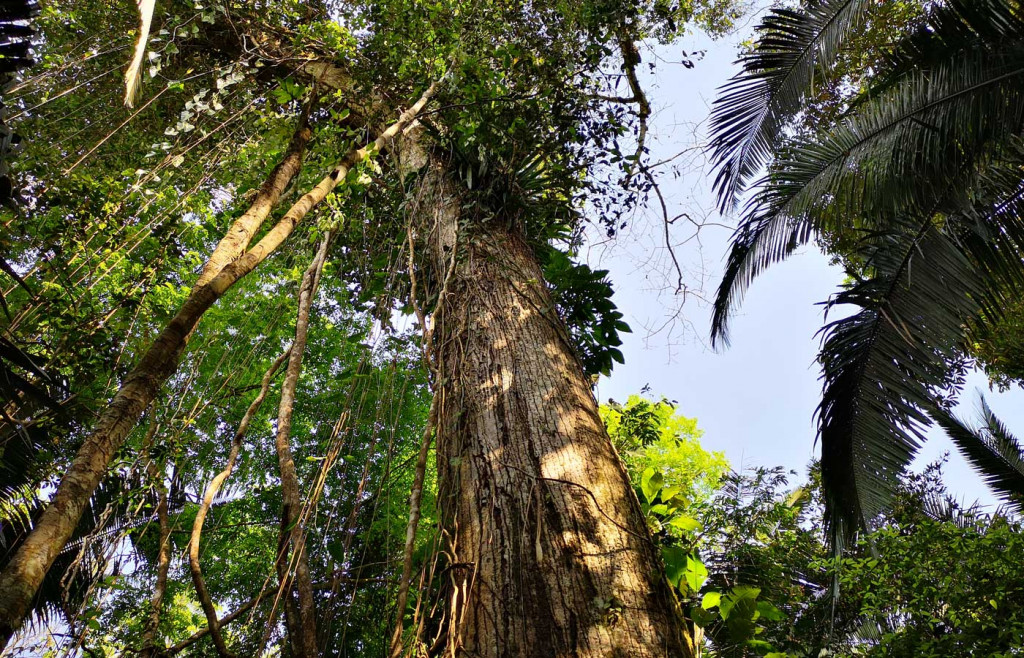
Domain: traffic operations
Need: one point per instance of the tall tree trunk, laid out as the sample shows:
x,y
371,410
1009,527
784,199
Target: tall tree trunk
x,y
301,618
163,565
550,553
211,492
22,576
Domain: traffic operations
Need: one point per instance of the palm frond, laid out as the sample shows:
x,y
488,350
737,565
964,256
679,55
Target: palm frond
x,y
758,243
952,27
757,103
946,509
995,453
133,76
883,366
21,376
930,128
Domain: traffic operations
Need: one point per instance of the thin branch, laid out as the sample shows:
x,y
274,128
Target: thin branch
x,y
410,530
211,492
302,626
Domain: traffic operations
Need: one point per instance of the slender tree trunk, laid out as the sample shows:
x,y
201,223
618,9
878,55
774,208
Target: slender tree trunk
x,y
163,564
22,576
301,618
20,579
550,553
415,498
211,492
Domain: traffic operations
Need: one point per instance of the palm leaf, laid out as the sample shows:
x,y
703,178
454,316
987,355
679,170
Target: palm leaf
x,y
21,376
756,104
133,76
995,453
930,128
883,366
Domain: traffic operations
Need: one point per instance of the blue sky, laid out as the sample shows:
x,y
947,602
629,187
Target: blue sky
x,y
755,400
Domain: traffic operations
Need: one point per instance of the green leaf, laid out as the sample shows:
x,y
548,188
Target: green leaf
x,y
669,492
701,617
650,483
711,600
685,523
675,559
766,610
696,573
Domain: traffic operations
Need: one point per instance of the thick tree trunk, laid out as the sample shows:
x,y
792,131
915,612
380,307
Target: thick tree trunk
x,y
550,551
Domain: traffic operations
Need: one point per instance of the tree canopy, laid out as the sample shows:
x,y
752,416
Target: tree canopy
x,y
299,333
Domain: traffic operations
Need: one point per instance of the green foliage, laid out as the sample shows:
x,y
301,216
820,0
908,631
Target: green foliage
x,y
752,568
941,588
125,205
910,171
584,300
655,441
998,346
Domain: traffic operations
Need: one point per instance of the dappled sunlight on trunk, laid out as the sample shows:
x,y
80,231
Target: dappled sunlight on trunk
x,y
549,551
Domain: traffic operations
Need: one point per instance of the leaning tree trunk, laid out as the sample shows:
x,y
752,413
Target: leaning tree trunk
x,y
550,553
230,261
22,576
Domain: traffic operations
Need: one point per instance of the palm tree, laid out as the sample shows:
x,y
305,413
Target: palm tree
x,y
920,173
992,450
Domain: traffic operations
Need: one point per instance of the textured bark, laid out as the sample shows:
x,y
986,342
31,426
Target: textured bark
x,y
301,618
23,574
238,237
550,551
211,492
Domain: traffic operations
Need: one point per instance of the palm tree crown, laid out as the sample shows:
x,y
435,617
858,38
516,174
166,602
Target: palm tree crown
x,y
919,177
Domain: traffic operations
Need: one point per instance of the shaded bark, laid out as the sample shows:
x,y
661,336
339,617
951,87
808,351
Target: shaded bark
x,y
211,492
21,578
549,550
301,618
163,562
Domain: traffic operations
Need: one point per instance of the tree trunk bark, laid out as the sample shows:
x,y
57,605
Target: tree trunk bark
x,y
301,618
550,553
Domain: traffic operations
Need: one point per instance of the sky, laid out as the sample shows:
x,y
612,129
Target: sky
x,y
755,400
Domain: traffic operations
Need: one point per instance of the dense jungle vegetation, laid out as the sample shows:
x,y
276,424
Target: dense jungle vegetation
x,y
299,337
